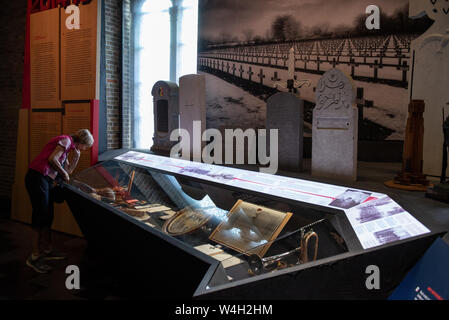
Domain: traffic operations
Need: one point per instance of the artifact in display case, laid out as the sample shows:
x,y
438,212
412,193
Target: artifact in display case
x,y
300,255
238,238
213,231
185,221
250,228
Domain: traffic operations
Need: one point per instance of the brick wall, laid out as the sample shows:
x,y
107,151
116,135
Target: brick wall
x,y
12,46
127,76
113,41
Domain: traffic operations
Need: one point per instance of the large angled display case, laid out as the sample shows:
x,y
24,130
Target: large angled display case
x,y
170,228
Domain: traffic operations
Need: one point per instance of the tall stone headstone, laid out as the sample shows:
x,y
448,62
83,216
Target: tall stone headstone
x,y
166,115
335,128
192,111
285,112
429,79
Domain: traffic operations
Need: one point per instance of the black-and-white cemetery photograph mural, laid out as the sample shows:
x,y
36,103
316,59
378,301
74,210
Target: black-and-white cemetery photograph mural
x,y
250,49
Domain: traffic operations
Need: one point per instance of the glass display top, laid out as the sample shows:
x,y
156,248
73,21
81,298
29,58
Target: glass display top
x,y
250,232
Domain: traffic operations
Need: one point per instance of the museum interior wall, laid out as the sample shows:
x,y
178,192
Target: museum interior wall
x,y
265,69
252,56
14,13
239,86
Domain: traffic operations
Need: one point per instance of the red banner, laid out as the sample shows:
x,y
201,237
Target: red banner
x,y
40,5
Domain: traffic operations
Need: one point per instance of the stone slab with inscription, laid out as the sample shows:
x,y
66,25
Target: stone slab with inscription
x,y
334,129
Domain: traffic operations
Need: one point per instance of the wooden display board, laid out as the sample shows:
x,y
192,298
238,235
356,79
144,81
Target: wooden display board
x,y
44,125
44,59
78,116
79,55
64,92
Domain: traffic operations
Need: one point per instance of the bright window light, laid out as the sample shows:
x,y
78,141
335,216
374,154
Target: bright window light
x,y
152,57
152,63
187,39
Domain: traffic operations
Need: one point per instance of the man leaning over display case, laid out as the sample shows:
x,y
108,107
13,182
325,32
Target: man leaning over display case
x,y
45,171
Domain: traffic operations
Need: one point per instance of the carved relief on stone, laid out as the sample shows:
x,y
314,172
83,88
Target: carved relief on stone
x,y
437,10
335,91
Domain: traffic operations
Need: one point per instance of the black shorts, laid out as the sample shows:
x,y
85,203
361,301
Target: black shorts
x,y
40,190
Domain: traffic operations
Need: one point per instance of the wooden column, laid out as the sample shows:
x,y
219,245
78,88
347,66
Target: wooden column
x,y
411,176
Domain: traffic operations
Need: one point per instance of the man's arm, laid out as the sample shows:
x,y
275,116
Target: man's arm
x,y
54,162
72,165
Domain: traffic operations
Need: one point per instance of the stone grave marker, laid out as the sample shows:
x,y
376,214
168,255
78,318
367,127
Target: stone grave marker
x,y
166,115
192,107
335,128
429,77
285,112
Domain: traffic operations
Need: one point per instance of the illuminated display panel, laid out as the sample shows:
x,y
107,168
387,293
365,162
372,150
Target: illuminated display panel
x,y
375,218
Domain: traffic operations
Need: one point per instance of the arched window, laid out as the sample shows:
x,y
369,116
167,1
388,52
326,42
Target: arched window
x,y
165,48
187,46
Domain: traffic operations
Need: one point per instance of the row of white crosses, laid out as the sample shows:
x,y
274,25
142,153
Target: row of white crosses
x,y
291,83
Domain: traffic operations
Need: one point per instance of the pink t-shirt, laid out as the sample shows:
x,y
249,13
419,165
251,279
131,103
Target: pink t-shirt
x,y
41,164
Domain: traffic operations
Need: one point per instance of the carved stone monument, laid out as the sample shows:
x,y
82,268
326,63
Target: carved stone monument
x,y
335,128
166,115
285,112
430,77
192,107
